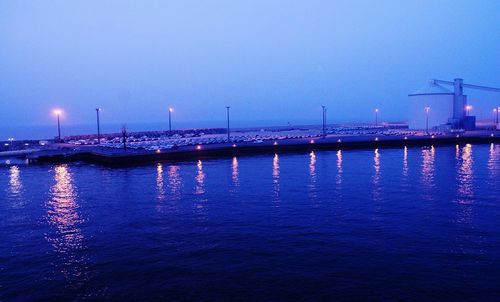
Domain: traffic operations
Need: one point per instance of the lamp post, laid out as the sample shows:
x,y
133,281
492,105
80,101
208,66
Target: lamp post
x,y
427,109
228,133
58,112
468,108
324,121
170,110
97,110
124,137
376,117
11,140
496,110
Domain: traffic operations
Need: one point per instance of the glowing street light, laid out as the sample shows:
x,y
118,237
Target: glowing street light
x,y
10,139
170,110
496,110
97,110
58,113
427,109
468,108
376,116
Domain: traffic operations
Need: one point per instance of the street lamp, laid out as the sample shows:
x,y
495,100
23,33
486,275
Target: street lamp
x,y
468,108
10,139
58,113
124,137
170,110
97,110
427,109
228,134
496,110
376,116
324,121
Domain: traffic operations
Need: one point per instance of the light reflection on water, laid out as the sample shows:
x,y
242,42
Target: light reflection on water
x,y
312,175
377,191
379,215
174,182
376,166
405,162
159,182
338,179
200,179
312,164
465,197
276,178
493,161
428,170
465,186
15,187
234,172
465,175
62,214
15,184
199,191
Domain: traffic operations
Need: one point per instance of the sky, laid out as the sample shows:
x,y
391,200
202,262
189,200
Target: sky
x,y
271,61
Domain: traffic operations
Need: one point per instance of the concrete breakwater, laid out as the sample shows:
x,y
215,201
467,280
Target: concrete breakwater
x,y
130,157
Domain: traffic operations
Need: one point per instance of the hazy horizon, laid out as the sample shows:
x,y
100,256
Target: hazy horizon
x,y
269,60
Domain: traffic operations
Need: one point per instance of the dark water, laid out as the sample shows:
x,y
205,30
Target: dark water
x,y
388,224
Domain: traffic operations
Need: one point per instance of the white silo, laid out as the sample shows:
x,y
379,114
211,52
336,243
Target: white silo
x,y
440,103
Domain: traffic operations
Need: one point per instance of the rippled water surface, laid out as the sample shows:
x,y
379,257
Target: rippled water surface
x,y
387,224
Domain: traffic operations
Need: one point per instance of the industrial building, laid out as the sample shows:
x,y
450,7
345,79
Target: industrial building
x,y
436,107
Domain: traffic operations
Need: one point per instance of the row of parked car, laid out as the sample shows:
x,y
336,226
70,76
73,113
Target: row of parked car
x,y
169,142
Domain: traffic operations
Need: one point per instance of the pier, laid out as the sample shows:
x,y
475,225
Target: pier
x,y
107,156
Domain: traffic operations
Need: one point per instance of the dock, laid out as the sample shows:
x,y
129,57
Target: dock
x,y
108,156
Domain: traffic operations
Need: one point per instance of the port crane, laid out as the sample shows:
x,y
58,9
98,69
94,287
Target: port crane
x,y
460,100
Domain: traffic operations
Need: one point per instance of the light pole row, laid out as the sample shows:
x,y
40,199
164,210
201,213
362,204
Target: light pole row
x,y
58,113
427,109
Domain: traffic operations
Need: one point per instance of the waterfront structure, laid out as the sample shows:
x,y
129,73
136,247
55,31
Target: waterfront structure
x,y
304,144
435,96
444,100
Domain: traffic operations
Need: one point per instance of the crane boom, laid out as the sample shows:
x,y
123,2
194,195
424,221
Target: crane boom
x,y
493,89
460,118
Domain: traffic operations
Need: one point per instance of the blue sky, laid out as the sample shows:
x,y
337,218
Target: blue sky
x,y
270,60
